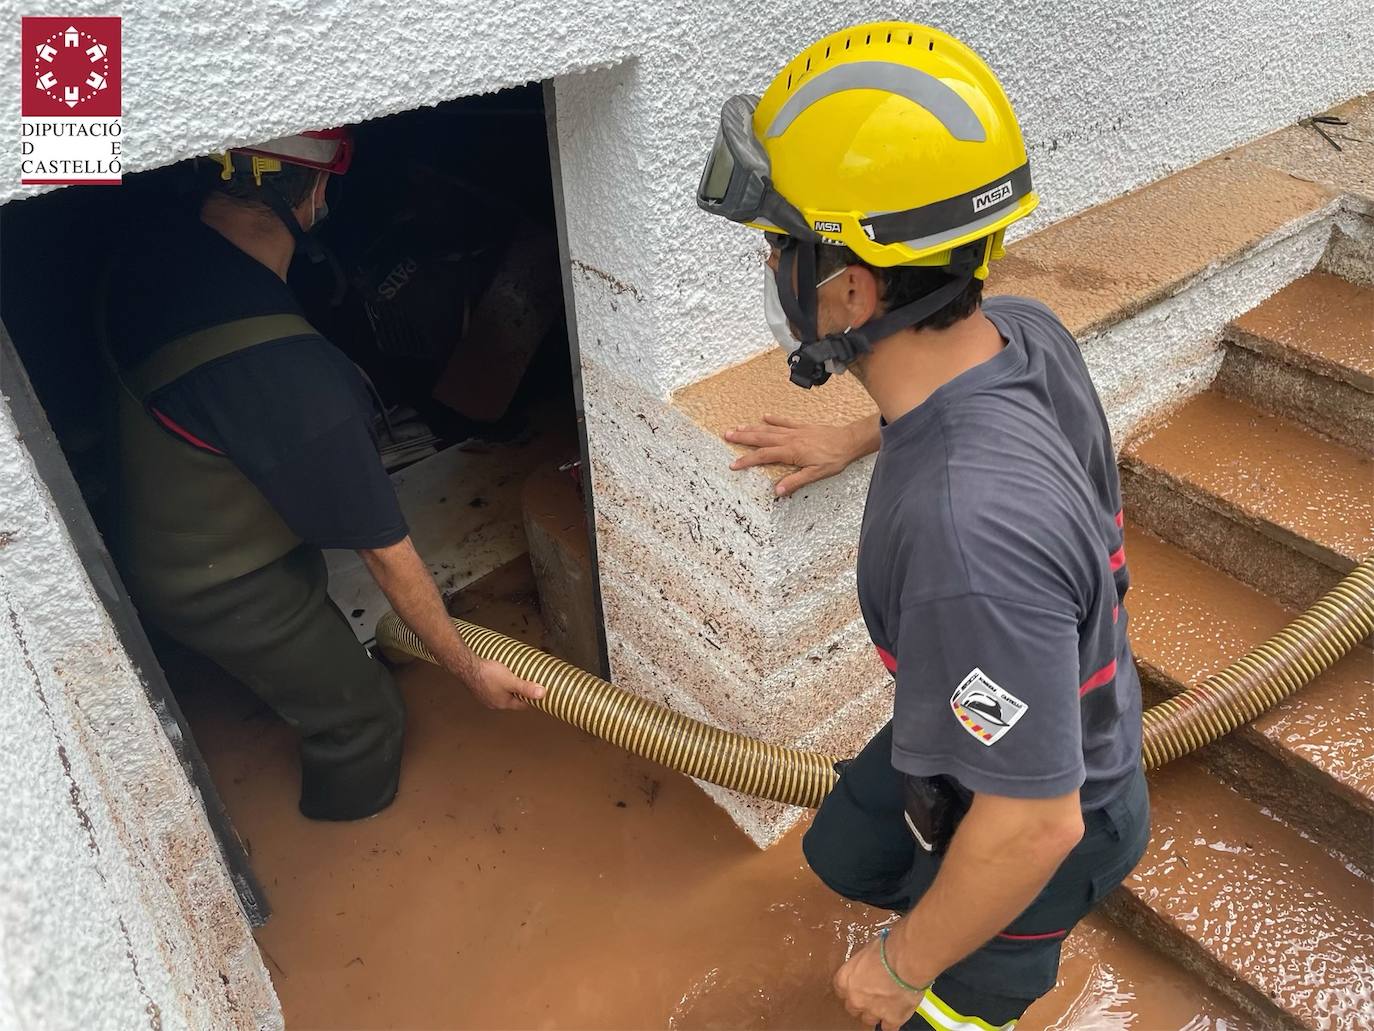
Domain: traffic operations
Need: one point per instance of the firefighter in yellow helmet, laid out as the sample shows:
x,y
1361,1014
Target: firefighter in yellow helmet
x,y
1005,797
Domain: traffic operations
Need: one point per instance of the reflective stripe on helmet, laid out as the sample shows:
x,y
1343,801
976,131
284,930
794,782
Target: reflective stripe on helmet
x,y
301,148
919,87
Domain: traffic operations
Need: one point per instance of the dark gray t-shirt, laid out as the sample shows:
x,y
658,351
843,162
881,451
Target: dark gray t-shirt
x,y
992,571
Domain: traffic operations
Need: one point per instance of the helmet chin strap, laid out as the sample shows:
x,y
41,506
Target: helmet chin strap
x,y
797,264
810,363
305,241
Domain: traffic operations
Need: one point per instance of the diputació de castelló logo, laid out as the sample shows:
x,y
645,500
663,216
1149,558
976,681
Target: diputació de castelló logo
x,y
70,104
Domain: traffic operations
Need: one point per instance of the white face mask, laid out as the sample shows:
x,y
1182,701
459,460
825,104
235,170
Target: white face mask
x,y
773,312
318,212
777,318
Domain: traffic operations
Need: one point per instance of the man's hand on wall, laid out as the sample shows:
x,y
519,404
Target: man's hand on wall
x,y
816,451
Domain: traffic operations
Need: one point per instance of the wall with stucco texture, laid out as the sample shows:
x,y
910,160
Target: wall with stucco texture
x,y
116,910
1111,95
112,886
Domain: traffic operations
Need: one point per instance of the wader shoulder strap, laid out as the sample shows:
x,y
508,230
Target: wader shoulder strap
x,y
176,358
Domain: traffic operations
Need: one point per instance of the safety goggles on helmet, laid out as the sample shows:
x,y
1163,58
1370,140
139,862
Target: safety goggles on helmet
x,y
891,139
736,182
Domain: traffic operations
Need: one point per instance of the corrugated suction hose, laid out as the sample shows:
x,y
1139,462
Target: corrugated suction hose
x,y
1223,701
1266,675
637,724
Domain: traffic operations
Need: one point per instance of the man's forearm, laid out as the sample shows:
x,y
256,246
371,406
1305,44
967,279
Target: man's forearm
x,y
1004,852
407,584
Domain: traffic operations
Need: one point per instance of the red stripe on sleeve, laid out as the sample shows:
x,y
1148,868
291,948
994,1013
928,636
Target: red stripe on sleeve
x,y
185,434
888,659
1102,676
1118,558
1120,518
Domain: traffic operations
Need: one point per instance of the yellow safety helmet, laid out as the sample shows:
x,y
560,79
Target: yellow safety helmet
x,y
892,139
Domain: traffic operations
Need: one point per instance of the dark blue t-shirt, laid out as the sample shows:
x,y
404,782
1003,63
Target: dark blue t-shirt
x,y
294,414
992,572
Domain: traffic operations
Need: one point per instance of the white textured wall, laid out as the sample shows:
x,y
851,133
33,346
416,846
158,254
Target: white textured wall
x,y
1111,95
110,886
115,910
200,74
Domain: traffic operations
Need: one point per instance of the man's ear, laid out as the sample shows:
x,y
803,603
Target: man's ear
x,y
863,294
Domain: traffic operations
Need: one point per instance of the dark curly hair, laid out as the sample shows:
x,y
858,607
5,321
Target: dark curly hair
x,y
902,284
293,181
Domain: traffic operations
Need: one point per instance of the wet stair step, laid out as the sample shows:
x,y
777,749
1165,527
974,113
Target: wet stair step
x,y
1263,914
1321,322
1308,352
1269,501
1309,759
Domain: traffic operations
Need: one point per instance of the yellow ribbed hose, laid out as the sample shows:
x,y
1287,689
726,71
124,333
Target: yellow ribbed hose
x,y
1266,675
1252,685
638,725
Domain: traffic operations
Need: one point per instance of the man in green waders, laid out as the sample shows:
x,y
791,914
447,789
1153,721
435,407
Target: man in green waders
x,y
245,446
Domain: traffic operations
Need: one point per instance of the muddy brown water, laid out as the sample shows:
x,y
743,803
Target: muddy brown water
x,y
528,876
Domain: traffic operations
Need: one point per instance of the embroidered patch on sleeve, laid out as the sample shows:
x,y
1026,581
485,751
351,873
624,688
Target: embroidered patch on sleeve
x,y
984,709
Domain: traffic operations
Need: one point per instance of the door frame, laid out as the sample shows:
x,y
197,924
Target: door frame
x,y
37,435
51,464
575,356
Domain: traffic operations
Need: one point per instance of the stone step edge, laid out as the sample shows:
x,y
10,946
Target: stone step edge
x,y
1249,761
1260,741
1165,684
1215,951
1287,354
1235,549
1325,405
1229,510
1135,916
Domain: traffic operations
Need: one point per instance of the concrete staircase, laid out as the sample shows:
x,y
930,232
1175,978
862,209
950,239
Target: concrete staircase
x,y
1249,491
1247,502
725,603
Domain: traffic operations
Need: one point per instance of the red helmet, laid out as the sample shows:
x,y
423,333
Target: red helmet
x,y
329,150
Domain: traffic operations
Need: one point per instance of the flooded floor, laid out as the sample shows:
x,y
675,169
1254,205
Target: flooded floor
x,y
528,876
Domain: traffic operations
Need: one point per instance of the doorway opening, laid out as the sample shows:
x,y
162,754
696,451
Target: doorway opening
x,y
445,283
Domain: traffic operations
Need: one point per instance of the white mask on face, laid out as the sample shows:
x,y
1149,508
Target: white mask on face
x,y
318,212
773,312
776,316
